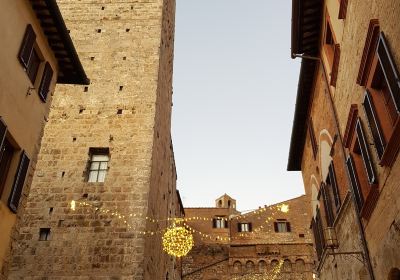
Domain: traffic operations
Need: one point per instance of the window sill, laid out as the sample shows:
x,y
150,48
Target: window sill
x,y
392,147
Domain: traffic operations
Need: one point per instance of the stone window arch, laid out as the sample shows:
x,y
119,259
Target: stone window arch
x,y
274,263
300,265
249,266
237,267
262,266
287,266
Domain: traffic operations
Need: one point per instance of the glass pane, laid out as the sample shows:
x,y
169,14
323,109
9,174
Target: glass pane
x,y
99,157
103,165
92,176
94,165
102,176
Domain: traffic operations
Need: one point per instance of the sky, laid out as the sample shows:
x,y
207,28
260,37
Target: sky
x,y
235,88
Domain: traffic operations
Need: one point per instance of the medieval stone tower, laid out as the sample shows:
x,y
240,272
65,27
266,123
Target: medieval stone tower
x,y
107,144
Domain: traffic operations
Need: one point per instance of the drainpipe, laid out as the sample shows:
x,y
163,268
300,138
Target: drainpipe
x,y
359,223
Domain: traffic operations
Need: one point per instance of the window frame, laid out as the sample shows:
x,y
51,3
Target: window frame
x,y
281,222
98,152
220,222
244,227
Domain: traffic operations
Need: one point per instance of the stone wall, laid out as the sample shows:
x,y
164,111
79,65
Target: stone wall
x,y
126,49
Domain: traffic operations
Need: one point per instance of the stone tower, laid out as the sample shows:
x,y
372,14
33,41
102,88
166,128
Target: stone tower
x,y
109,145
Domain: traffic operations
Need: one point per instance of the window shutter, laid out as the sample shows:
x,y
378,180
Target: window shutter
x,y
250,227
276,226
335,189
27,46
239,228
365,153
214,223
374,124
389,70
335,65
288,227
327,205
225,222
18,182
3,132
312,137
320,232
343,9
45,82
355,186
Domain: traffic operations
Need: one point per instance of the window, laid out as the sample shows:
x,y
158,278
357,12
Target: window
x,y
360,167
44,86
99,158
312,137
327,204
329,194
244,227
332,52
318,232
19,181
281,225
379,75
220,222
6,154
44,234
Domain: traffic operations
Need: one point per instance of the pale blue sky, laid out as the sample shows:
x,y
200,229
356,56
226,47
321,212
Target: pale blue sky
x,y
234,95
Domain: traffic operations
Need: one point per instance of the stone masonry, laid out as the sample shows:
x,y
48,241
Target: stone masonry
x,y
126,48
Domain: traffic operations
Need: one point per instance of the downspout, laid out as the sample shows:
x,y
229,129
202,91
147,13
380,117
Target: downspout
x,y
359,223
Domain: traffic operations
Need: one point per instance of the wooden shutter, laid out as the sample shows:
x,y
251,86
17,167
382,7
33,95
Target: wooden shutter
x,y
327,205
225,222
3,132
343,9
45,82
18,182
312,137
374,125
335,188
317,242
276,226
239,228
27,46
288,227
355,185
250,227
389,70
214,223
365,153
335,65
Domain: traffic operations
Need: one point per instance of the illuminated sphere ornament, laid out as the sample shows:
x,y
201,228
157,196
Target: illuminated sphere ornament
x,y
177,241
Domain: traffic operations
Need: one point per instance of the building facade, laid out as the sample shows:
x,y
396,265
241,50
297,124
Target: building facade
x,y
266,243
36,53
107,146
345,133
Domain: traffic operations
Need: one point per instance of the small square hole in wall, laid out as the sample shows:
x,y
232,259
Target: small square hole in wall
x,y
102,8
124,58
98,30
131,7
44,234
51,210
62,174
85,195
81,110
128,29
119,111
73,139
301,235
92,58
121,88
85,89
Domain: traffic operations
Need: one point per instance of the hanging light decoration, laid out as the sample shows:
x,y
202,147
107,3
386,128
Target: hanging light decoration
x,y
177,241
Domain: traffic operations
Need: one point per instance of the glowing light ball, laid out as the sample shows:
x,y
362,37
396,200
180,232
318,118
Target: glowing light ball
x,y
177,241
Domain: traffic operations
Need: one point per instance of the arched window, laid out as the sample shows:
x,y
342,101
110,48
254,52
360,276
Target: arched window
x,y
262,266
287,266
394,274
237,267
274,264
249,266
229,203
300,265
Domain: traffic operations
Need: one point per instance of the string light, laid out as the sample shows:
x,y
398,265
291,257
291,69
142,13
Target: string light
x,y
177,241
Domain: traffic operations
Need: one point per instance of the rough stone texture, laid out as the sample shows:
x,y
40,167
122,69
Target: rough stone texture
x,y
382,228
212,258
127,51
